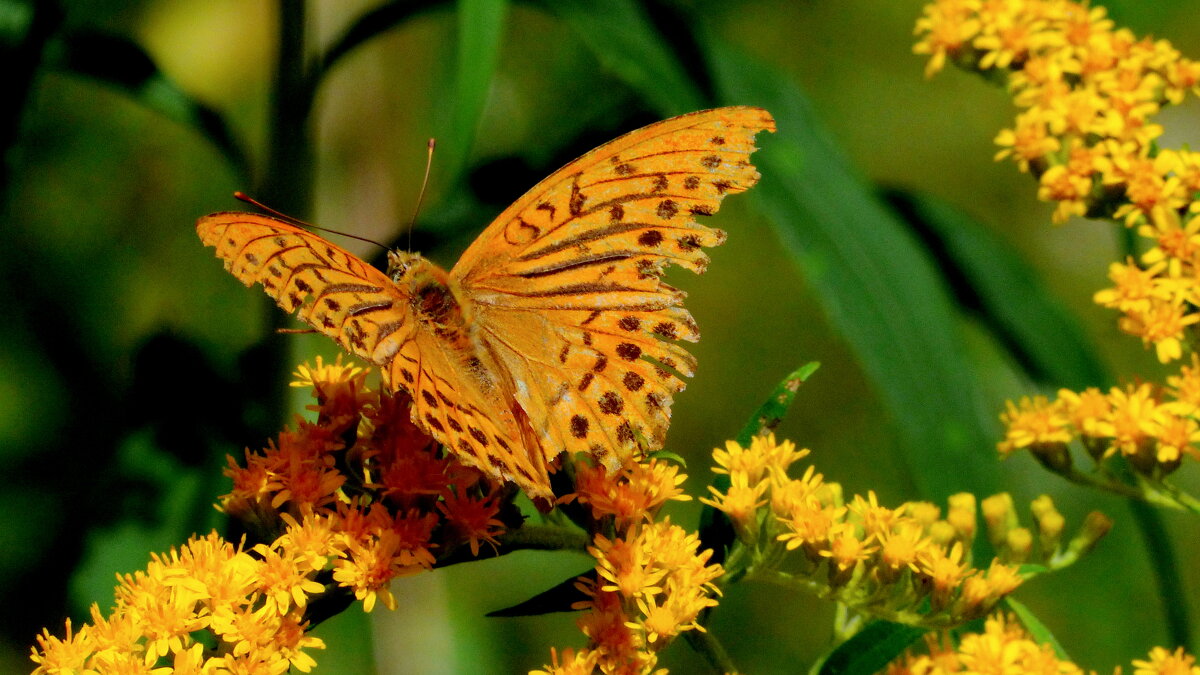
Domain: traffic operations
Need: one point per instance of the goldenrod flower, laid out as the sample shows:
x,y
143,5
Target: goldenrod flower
x,y
1034,422
1030,142
1002,647
947,27
1165,662
1185,389
740,502
635,493
582,662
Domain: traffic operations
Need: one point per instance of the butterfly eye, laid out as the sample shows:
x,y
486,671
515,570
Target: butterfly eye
x,y
398,268
398,265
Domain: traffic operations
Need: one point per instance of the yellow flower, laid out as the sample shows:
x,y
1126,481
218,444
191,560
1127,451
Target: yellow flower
x,y
283,578
846,547
757,461
1149,184
740,502
1030,141
945,571
1088,410
876,520
809,524
1165,662
1176,436
1134,410
901,548
69,654
633,494
948,26
1034,422
324,374
1071,191
1163,325
582,662
1135,288
1185,388
1002,647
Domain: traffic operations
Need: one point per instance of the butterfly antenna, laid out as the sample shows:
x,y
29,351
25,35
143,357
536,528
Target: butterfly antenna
x,y
242,196
421,195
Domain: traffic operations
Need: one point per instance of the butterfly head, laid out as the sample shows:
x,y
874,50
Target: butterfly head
x,y
403,266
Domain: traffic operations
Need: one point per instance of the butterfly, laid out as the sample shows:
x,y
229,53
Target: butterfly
x,y
554,331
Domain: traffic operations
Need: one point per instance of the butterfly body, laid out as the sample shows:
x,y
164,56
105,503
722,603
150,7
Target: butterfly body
x,y
431,296
554,332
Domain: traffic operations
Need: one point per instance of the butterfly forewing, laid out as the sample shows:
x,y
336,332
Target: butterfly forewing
x,y
565,284
326,286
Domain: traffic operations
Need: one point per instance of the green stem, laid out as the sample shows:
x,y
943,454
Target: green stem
x,y
712,650
1166,572
1174,499
546,538
285,183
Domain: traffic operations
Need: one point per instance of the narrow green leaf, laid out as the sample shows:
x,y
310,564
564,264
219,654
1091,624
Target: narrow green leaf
x,y
480,28
1005,292
625,41
123,64
667,455
556,599
1029,570
1038,630
871,649
879,287
771,412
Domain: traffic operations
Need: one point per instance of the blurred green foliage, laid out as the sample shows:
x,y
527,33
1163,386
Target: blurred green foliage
x,y
882,242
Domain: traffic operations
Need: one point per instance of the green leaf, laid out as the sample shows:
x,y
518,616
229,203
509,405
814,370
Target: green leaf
x,y
1006,293
1029,570
877,284
871,649
771,412
480,28
556,599
1038,630
123,64
625,41
667,455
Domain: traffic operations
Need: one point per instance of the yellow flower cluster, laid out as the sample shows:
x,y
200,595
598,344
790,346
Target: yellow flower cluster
x,y
906,564
1154,428
1088,93
1005,647
348,503
248,606
651,581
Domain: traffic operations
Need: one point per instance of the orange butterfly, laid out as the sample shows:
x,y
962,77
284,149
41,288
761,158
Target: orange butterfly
x,y
554,331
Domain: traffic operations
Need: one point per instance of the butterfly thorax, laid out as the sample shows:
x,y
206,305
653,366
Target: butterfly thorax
x,y
433,301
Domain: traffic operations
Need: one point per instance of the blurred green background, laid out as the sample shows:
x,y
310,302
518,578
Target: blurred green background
x,y
882,241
